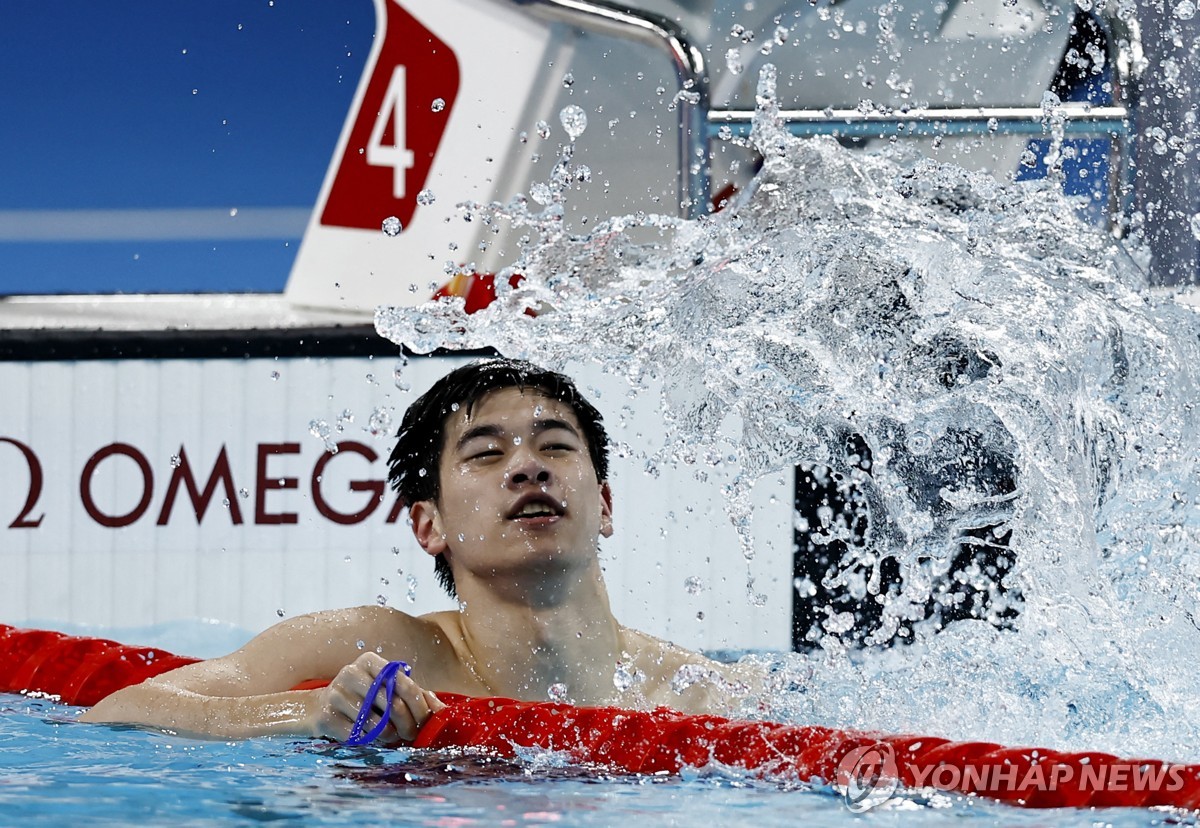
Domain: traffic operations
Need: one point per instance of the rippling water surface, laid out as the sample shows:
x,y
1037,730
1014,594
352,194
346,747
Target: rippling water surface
x,y
56,772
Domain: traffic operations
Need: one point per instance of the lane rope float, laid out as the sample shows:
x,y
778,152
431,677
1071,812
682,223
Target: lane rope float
x,y
81,671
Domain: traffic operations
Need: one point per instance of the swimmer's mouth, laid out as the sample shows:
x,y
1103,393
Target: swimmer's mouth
x,y
537,507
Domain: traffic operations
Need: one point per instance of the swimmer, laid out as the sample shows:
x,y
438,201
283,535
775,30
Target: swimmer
x,y
503,466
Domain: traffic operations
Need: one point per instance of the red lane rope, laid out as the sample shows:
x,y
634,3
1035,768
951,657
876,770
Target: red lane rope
x,y
76,669
83,670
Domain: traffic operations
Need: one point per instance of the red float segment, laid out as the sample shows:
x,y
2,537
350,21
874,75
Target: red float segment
x,y
84,670
76,669
663,740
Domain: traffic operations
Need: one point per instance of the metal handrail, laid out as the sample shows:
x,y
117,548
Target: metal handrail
x,y
667,35
1078,119
698,124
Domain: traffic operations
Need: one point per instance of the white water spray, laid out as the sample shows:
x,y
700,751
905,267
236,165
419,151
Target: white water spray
x,y
1003,364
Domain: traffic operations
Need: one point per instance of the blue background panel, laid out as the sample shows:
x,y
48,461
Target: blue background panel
x,y
168,106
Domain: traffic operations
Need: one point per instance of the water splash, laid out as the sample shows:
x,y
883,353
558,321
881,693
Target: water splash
x,y
982,367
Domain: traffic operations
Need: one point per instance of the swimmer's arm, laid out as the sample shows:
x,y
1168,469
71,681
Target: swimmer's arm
x,y
167,702
247,693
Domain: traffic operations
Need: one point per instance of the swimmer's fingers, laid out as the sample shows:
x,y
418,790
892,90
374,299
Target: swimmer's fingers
x,y
335,714
340,702
412,705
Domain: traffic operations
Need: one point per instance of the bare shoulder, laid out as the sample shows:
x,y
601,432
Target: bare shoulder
x,y
369,620
310,647
688,681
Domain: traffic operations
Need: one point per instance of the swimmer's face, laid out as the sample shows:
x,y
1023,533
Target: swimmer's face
x,y
518,491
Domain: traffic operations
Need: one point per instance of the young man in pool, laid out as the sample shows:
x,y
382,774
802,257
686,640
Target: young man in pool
x,y
504,468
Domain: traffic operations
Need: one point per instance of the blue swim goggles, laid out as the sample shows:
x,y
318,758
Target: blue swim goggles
x,y
388,674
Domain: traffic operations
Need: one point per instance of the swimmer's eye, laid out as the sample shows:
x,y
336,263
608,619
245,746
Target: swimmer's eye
x,y
558,447
483,455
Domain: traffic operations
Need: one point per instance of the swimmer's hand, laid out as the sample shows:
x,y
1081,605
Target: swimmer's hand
x,y
337,705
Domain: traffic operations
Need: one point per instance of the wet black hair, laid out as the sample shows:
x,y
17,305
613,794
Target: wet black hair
x,y
414,462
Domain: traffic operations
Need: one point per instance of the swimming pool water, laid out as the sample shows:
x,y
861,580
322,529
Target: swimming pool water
x,y
54,771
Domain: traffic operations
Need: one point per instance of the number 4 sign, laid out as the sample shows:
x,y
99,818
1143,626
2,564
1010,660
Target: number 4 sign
x,y
447,89
393,115
387,159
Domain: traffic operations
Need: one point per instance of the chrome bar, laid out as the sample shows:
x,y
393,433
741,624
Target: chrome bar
x,y
692,99
1078,119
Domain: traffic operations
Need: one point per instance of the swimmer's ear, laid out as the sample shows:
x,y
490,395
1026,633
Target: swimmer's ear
x,y
606,510
427,527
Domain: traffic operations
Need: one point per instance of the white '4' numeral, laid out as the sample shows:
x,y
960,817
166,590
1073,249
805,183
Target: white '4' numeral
x,y
395,155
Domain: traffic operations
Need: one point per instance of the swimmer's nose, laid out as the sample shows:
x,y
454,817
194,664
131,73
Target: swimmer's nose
x,y
528,468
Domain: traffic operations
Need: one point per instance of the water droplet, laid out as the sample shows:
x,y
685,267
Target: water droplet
x,y
176,461
733,61
542,129
381,599
426,197
574,120
540,192
557,692
517,440
411,582
243,493
279,612
323,432
1196,225
379,423
693,585
687,675
274,375
624,678
919,443
1185,10
438,104
737,30
391,226
839,622
362,645
568,80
